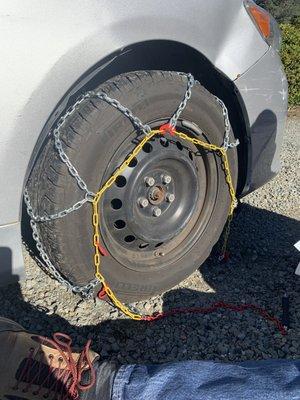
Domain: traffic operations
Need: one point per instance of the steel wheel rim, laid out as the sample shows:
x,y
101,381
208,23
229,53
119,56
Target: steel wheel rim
x,y
127,237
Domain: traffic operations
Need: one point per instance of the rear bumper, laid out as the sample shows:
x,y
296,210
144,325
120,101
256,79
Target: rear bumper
x,y
264,92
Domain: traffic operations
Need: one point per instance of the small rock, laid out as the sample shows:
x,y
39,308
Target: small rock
x,y
162,348
115,347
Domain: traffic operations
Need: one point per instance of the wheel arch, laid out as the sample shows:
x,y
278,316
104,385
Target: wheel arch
x,y
160,55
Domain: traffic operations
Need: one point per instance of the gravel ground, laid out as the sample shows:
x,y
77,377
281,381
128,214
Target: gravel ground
x,y
260,270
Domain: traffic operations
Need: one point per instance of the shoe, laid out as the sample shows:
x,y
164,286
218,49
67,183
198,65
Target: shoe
x,y
34,367
9,325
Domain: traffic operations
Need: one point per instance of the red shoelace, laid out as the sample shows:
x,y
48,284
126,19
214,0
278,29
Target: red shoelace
x,y
64,382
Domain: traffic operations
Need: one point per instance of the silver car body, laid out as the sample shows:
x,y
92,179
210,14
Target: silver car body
x,y
50,49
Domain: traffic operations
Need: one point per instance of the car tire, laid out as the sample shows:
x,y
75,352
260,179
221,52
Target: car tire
x,y
148,254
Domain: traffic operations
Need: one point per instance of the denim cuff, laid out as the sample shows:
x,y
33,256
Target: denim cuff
x,y
122,378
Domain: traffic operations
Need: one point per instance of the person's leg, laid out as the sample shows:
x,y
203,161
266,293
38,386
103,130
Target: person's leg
x,y
197,380
32,366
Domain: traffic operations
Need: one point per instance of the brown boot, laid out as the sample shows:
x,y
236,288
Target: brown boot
x,y
34,367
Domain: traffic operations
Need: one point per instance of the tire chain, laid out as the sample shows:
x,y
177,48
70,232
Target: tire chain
x,y
87,291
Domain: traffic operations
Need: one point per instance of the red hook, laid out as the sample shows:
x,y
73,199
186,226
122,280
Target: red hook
x,y
101,294
167,128
102,250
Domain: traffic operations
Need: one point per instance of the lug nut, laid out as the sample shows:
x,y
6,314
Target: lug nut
x,y
149,181
143,202
156,211
170,197
166,179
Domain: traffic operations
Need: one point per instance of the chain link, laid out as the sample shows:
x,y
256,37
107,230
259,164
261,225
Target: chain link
x,y
87,290
58,143
89,195
124,110
187,96
226,142
60,214
59,147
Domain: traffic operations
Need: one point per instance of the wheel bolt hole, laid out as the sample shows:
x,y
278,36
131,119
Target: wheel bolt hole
x,y
179,146
133,163
159,244
116,204
119,224
143,245
129,239
164,142
147,148
121,181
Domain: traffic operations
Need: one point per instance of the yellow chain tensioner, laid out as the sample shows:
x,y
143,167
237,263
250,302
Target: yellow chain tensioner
x,y
220,151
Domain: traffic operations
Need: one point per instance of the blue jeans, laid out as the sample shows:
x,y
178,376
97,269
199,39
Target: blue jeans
x,y
191,380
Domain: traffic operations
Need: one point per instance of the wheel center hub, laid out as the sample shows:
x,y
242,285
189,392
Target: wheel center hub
x,y
156,195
